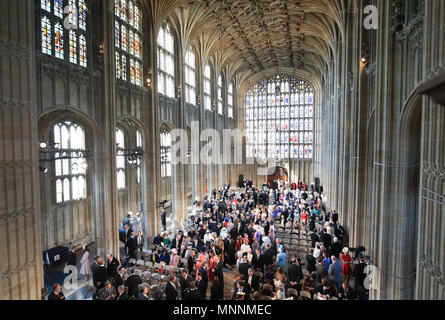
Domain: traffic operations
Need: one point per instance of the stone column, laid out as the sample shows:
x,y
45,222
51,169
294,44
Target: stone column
x,y
20,223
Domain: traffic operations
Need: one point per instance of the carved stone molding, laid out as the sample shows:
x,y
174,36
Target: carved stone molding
x,y
398,17
431,169
16,213
16,164
413,28
431,268
8,48
350,79
14,104
13,270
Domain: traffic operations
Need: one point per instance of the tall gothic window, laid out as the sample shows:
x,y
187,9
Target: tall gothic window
x,y
190,77
128,41
166,146
70,166
63,33
207,87
230,101
279,119
220,95
166,62
120,159
138,162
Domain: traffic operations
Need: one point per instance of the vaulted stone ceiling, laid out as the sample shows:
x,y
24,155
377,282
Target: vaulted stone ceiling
x,y
259,37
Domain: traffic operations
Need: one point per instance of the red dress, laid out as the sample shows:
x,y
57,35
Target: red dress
x,y
346,266
212,266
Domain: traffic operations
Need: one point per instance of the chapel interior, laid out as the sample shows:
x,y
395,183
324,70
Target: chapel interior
x,y
346,94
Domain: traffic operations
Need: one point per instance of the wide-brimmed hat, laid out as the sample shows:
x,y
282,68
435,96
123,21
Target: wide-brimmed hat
x,y
345,250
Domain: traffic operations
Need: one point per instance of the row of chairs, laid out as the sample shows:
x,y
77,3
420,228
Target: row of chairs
x,y
304,295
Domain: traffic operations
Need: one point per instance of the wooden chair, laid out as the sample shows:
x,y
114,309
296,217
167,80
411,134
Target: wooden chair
x,y
305,295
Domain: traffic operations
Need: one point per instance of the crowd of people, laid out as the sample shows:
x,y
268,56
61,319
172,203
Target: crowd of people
x,y
238,231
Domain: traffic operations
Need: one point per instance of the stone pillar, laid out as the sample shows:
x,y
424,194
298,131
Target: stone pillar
x,y
430,282
20,224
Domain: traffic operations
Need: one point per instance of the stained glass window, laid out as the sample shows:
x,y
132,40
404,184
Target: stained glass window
x,y
166,65
54,35
279,119
230,101
82,15
127,41
120,159
220,95
73,47
58,41
82,51
207,87
166,145
138,162
190,77
58,8
46,36
73,13
70,173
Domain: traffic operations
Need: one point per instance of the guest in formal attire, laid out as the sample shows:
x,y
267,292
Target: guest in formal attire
x,y
133,282
217,290
171,290
112,265
122,294
57,293
85,268
108,292
143,295
345,292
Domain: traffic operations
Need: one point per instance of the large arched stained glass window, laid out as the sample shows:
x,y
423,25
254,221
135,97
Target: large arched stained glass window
x,y
70,170
128,41
207,87
230,101
166,62
120,159
280,119
64,32
220,94
166,146
190,77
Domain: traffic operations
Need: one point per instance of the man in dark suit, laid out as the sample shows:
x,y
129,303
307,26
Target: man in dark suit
x,y
219,271
314,239
202,286
268,255
258,260
72,258
171,290
57,293
100,276
253,281
128,232
133,282
294,272
122,294
346,293
118,278
244,267
131,244
112,265
311,261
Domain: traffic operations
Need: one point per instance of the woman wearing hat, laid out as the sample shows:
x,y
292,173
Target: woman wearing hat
x,y
346,262
85,269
